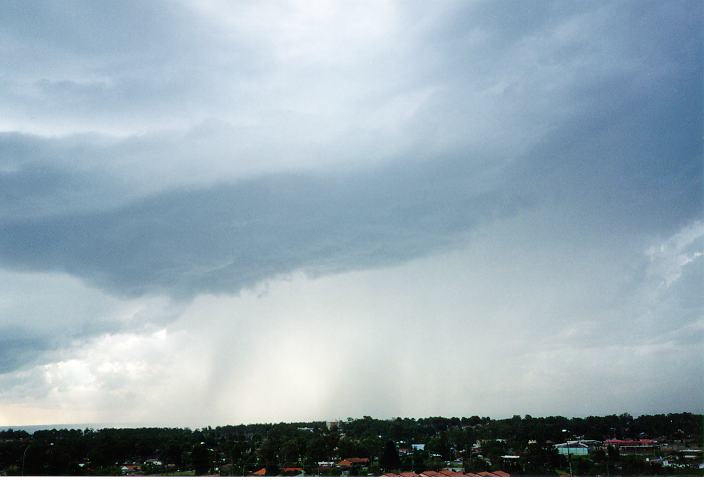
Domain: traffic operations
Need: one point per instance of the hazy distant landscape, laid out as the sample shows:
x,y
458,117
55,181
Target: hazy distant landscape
x,y
618,445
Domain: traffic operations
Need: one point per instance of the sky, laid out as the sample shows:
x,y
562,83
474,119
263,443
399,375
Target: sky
x,y
223,212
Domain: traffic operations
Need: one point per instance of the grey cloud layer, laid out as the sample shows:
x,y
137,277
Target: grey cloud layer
x,y
226,237
71,215
240,144
491,70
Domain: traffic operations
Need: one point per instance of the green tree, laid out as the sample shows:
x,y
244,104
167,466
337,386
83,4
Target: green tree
x,y
389,459
200,458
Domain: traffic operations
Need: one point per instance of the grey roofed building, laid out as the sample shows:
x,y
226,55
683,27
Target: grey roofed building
x,y
577,447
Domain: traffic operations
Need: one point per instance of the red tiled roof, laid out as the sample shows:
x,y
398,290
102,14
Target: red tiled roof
x,y
260,473
292,469
349,462
448,473
358,460
630,443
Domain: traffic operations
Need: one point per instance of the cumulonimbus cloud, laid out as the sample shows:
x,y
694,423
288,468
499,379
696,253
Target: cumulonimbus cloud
x,y
160,153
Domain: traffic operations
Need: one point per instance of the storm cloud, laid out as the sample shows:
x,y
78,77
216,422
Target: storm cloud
x,y
182,177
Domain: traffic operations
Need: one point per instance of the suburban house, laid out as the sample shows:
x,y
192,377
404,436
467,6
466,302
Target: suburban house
x,y
628,446
577,447
448,473
353,462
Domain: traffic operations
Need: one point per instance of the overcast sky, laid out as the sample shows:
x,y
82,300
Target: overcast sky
x,y
220,212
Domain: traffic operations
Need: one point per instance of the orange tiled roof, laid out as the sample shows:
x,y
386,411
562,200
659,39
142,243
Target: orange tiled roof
x,y
260,473
448,473
348,462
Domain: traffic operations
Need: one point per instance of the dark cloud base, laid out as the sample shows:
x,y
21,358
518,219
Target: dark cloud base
x,y
606,167
226,237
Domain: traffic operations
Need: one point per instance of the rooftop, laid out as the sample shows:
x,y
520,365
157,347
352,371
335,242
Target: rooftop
x,y
448,473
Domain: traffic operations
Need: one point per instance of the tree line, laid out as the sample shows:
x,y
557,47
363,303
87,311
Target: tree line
x,y
239,449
